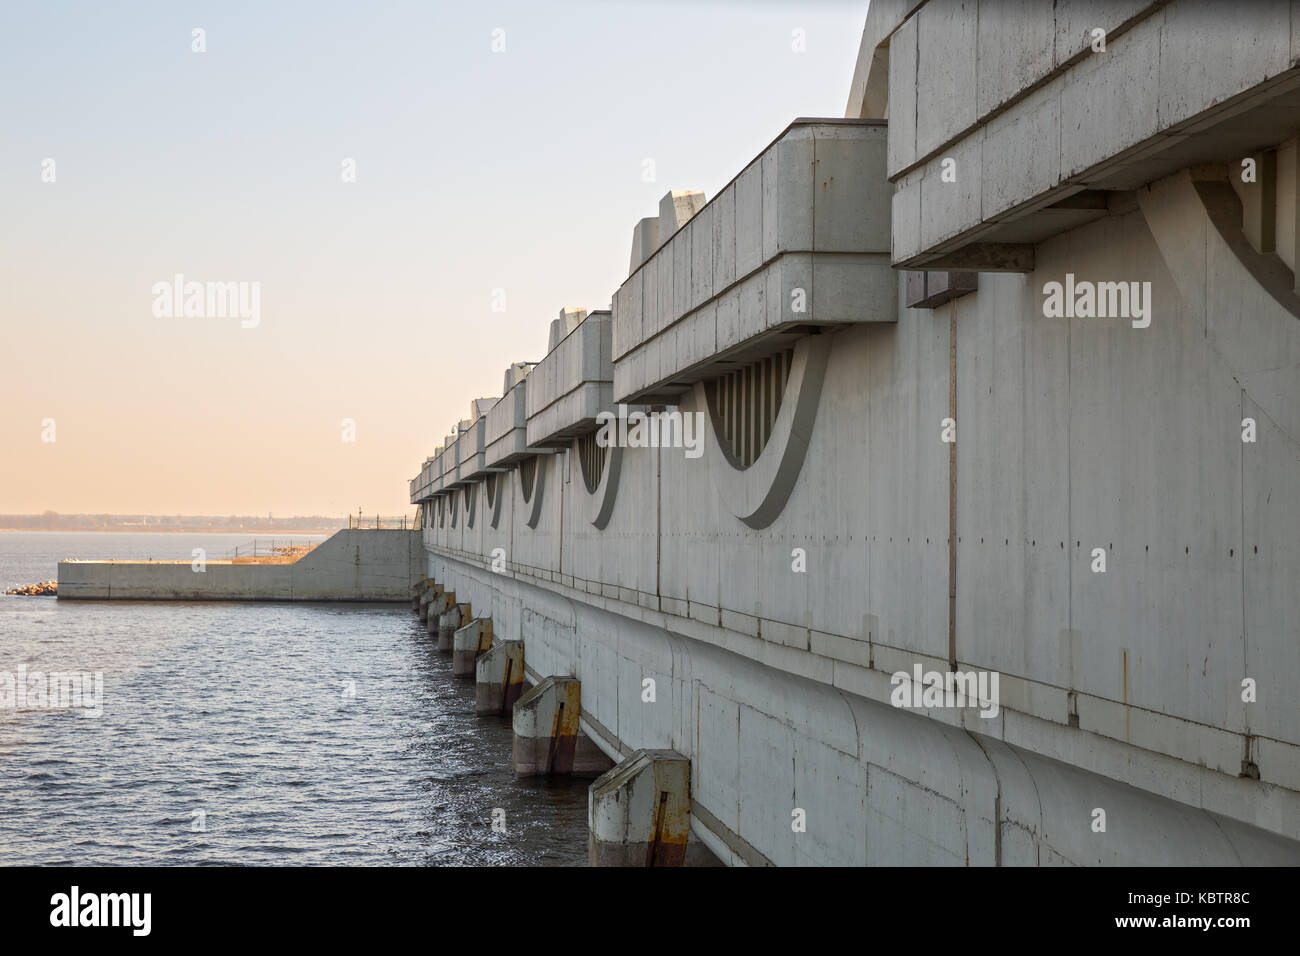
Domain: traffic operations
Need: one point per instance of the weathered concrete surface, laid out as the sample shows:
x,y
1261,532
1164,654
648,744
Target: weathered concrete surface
x,y
1100,537
437,606
1075,434
468,642
499,678
878,785
1035,114
426,594
546,735
800,237
418,590
450,621
572,383
351,565
639,813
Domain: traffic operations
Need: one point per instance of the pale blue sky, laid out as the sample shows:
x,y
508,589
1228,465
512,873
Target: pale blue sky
x,y
518,170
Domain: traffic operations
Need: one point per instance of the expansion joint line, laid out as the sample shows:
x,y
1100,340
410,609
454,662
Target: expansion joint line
x,y
952,487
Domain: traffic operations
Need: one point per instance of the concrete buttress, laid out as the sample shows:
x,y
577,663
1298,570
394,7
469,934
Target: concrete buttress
x,y
639,813
546,735
499,678
469,641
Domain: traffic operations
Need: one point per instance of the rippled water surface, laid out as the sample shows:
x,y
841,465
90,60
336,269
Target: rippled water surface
x,y
297,733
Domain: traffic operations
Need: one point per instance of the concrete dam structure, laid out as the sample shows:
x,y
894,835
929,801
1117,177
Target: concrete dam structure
x,y
928,495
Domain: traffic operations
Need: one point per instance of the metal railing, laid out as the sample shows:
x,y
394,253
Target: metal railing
x,y
361,522
270,548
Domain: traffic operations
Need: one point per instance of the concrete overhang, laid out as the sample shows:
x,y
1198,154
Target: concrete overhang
x,y
800,238
1069,134
1225,135
572,384
506,432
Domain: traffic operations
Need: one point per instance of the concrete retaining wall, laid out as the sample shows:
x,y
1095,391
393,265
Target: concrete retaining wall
x,y
358,565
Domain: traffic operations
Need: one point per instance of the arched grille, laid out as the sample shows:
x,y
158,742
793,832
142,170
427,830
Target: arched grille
x,y
527,475
591,458
746,401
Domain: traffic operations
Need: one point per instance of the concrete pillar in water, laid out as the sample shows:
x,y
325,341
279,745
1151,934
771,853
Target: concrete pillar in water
x,y
468,642
440,602
547,738
450,621
424,596
499,677
417,592
639,813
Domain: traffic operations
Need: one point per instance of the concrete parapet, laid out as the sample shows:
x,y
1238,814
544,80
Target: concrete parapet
x,y
639,813
468,642
450,621
499,677
547,739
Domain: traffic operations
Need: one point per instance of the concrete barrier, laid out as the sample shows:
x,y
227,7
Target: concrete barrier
x,y
424,592
639,813
470,640
351,565
450,621
546,735
499,678
438,604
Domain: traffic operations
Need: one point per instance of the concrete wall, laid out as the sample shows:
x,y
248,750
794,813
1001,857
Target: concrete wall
x,y
772,641
1074,434
879,786
364,565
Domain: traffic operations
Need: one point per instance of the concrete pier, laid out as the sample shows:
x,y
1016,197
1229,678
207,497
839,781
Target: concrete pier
x,y
425,592
499,678
639,813
547,739
468,643
437,606
450,621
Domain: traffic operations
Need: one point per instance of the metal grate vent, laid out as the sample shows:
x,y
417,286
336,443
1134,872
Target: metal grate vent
x,y
527,475
746,402
591,458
